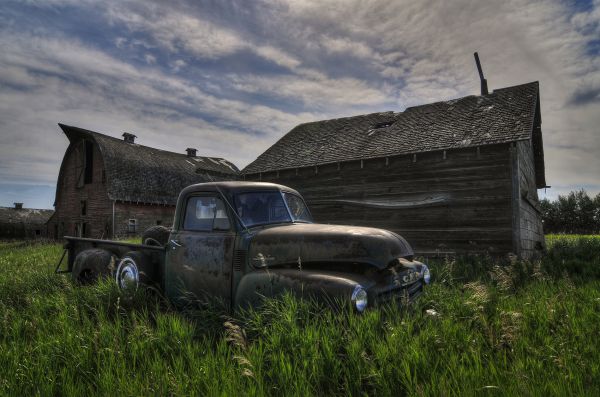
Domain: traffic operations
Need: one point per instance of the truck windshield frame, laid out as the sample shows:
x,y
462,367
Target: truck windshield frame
x,y
266,207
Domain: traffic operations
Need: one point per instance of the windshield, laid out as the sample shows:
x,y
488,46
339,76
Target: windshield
x,y
260,208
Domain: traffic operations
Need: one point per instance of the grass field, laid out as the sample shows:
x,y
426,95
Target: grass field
x,y
480,329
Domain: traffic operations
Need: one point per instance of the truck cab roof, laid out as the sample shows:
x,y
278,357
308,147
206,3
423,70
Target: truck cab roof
x,y
232,187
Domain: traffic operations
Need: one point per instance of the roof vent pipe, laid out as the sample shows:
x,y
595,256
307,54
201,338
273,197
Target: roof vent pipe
x,y
129,138
18,206
484,87
191,152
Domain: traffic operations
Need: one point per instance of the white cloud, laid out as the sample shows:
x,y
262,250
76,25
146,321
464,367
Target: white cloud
x,y
179,31
278,56
314,91
177,65
150,59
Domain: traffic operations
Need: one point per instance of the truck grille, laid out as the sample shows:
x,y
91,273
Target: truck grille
x,y
239,258
408,292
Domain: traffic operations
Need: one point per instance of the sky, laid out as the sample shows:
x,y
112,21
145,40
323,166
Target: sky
x,y
232,77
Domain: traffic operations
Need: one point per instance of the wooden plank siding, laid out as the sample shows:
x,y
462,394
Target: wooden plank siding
x,y
457,200
530,225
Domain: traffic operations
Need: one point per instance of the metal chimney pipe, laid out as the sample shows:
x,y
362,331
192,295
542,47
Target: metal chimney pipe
x,y
484,87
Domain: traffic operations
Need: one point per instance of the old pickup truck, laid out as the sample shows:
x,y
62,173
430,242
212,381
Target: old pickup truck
x,y
243,241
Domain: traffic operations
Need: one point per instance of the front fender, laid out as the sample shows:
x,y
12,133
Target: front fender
x,y
322,285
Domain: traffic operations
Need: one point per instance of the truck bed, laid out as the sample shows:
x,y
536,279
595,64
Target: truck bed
x,y
75,245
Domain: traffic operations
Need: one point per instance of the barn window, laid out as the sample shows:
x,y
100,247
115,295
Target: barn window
x,y
159,222
132,226
37,232
83,207
88,168
84,230
103,176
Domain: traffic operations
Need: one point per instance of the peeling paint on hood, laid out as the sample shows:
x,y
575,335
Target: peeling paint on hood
x,y
316,243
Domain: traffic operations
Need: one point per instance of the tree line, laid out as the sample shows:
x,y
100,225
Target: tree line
x,y
575,213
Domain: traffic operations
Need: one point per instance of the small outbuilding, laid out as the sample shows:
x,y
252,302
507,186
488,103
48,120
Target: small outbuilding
x,y
23,223
109,187
457,176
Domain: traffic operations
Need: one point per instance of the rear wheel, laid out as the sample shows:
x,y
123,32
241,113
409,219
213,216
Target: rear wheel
x,y
91,265
134,270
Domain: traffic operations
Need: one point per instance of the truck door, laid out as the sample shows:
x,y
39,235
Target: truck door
x,y
200,254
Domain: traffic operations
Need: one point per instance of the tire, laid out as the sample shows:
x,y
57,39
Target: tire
x,y
133,271
156,235
91,265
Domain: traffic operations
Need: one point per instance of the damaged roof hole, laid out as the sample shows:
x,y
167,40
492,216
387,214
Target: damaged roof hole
x,y
383,124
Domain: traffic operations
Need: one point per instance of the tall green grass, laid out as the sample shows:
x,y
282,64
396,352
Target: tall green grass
x,y
576,255
520,328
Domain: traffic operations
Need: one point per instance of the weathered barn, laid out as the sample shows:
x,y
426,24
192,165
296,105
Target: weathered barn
x,y
108,187
459,176
23,223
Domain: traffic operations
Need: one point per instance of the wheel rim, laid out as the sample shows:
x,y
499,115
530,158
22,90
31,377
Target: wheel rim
x,y
127,276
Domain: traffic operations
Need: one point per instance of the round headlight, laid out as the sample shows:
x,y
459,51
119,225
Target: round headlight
x,y
426,274
359,298
127,276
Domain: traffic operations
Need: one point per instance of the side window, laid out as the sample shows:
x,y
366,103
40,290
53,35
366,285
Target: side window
x,y
205,214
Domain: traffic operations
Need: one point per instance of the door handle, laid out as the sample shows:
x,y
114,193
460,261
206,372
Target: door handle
x,y
175,244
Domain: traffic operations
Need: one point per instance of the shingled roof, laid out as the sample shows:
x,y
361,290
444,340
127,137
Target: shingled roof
x,y
506,115
24,216
138,173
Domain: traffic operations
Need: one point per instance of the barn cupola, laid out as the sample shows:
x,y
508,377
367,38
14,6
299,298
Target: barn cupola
x,y
18,206
191,152
129,138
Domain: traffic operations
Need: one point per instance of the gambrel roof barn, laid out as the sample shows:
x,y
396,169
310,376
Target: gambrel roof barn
x,y
113,187
138,173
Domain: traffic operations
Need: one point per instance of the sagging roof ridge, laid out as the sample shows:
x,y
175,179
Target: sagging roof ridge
x,y
519,109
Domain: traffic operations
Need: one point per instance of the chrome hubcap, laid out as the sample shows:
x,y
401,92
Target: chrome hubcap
x,y
127,275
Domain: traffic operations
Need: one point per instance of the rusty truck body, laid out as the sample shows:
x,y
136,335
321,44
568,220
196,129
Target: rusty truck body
x,y
243,241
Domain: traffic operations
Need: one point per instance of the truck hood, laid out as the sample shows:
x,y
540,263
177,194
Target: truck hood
x,y
315,243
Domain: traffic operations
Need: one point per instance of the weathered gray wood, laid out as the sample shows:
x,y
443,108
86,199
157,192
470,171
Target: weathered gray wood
x,y
516,199
475,215
530,221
